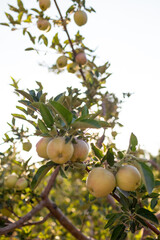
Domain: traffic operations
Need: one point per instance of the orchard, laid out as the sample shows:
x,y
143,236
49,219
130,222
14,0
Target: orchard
x,y
81,186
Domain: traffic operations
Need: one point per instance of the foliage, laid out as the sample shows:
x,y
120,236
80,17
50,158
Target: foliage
x,y
57,193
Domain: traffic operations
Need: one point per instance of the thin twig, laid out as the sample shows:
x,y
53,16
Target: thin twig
x,y
38,222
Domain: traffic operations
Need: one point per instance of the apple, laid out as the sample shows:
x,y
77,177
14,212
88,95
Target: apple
x,y
81,58
21,184
100,182
44,4
43,24
128,178
80,17
61,61
59,151
41,147
10,180
72,67
27,146
16,168
81,150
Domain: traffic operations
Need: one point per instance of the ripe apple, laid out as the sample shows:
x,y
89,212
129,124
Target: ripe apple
x,y
100,182
61,61
27,146
41,147
81,150
59,151
80,17
72,67
128,178
43,24
21,184
44,4
10,180
81,58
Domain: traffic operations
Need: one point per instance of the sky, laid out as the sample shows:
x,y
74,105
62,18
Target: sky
x,y
125,33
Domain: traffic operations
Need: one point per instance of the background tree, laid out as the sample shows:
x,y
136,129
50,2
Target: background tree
x,y
48,198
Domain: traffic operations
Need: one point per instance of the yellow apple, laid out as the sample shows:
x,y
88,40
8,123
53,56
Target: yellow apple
x,y
59,151
81,58
43,24
27,146
128,178
80,17
61,61
81,150
100,182
10,180
44,4
41,147
72,67
21,184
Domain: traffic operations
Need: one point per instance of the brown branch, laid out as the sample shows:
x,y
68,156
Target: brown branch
x,y
69,39
38,222
155,165
64,221
22,220
50,183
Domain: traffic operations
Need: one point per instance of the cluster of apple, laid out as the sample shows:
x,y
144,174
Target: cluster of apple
x,y
80,17
60,151
12,181
101,182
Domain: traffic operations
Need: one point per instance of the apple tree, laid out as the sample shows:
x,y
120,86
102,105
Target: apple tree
x,y
81,186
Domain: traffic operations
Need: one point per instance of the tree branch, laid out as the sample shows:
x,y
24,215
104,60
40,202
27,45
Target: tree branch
x,y
69,39
38,222
50,183
64,221
22,220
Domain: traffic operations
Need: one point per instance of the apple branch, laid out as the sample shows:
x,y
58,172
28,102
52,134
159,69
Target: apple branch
x,y
65,222
22,220
38,222
69,39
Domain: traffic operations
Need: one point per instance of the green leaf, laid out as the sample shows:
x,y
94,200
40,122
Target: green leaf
x,y
42,126
98,153
154,202
112,219
31,37
117,232
62,173
85,123
41,172
133,142
147,176
25,94
46,115
29,49
20,116
44,38
146,214
109,157
63,112
84,111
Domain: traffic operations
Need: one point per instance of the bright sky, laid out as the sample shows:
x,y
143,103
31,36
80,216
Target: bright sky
x,y
125,33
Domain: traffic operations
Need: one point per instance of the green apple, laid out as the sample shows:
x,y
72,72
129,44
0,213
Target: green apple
x,y
21,184
43,24
61,61
27,146
128,178
44,4
81,150
80,17
100,182
59,151
41,147
72,67
10,180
